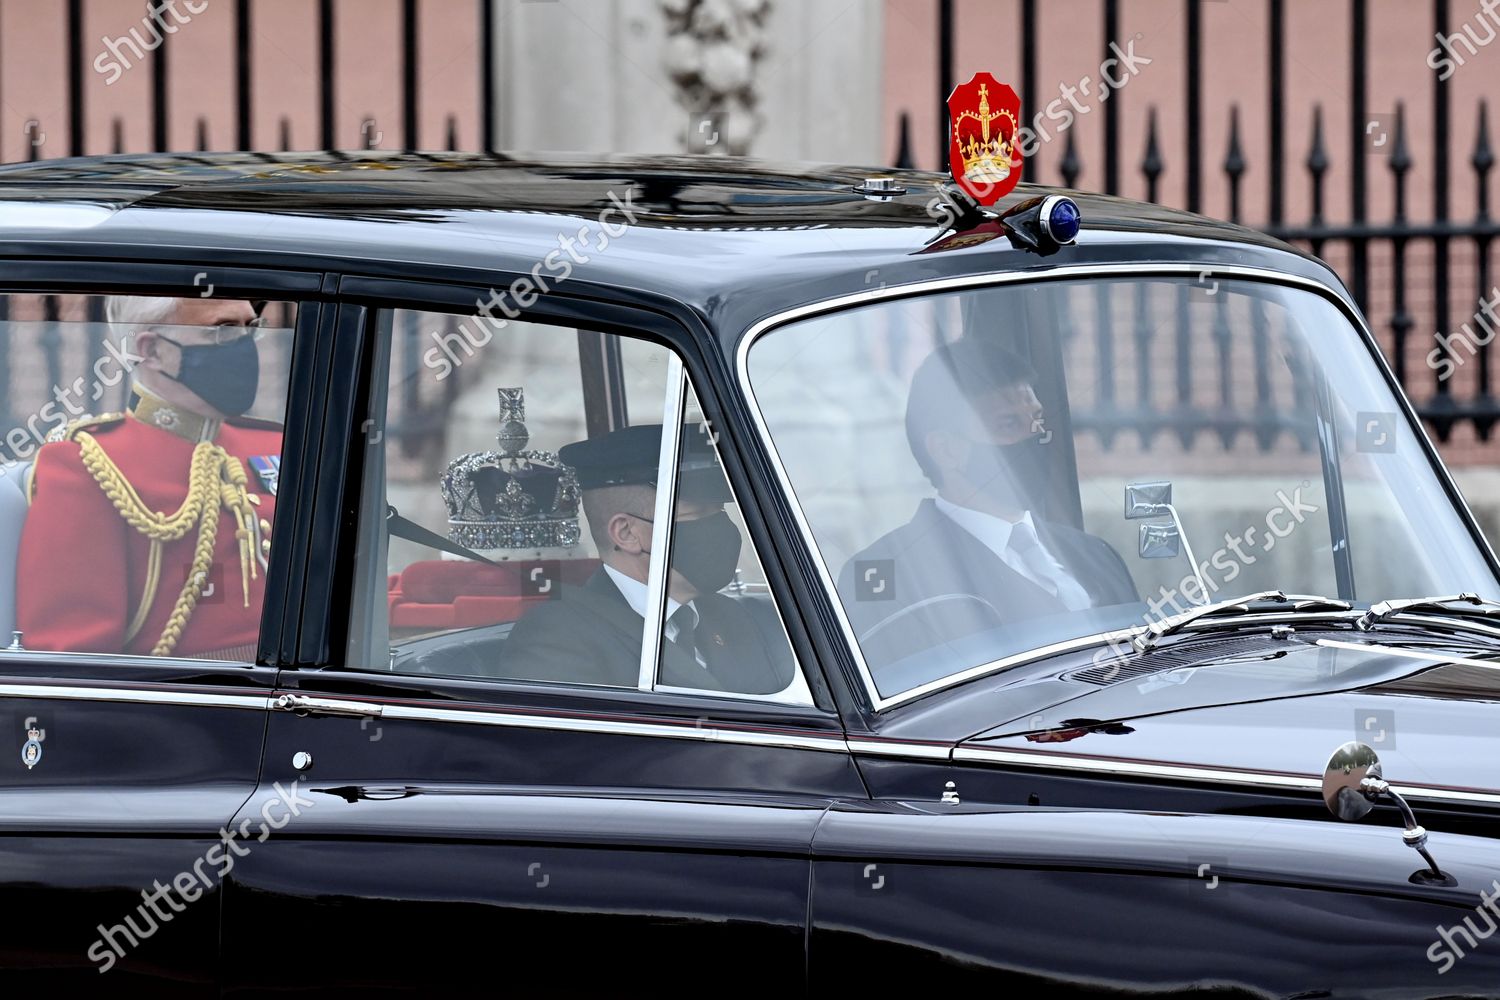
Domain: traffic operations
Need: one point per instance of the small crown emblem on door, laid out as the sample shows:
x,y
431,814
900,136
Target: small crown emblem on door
x,y
31,751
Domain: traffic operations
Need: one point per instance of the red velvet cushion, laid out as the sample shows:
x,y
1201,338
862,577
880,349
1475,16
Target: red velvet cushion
x,y
442,581
426,616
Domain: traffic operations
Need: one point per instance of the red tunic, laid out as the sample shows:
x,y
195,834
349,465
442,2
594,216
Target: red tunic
x,y
82,569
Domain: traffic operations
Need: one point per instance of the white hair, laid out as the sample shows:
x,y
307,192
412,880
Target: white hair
x,y
139,309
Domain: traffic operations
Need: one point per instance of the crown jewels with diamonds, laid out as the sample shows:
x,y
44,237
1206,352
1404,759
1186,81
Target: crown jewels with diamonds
x,y
511,498
987,155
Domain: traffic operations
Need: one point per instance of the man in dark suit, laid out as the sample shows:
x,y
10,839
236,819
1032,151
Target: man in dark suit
x,y
977,557
592,634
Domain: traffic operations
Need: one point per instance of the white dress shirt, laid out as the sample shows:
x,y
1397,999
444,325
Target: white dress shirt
x,y
635,594
1043,570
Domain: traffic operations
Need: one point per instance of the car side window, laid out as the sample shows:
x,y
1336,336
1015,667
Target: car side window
x,y
141,453
511,513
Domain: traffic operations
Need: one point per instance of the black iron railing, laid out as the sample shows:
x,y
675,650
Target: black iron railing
x,y
80,50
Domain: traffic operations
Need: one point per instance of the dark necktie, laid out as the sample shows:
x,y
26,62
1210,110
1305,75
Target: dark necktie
x,y
686,620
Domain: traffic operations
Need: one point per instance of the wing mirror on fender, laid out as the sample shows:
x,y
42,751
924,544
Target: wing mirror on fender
x,y
1353,782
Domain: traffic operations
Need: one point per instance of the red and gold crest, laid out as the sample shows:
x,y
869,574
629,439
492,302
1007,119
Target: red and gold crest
x,y
983,151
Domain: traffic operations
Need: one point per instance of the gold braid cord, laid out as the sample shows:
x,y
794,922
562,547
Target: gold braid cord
x,y
216,479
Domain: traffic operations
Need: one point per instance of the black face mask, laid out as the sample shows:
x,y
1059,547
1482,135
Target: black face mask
x,y
706,551
1012,475
225,376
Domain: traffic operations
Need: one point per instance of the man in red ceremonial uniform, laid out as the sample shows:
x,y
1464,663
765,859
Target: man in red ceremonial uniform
x,y
149,530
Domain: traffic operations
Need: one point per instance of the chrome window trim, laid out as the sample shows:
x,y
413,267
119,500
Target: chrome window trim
x,y
1062,272
662,526
796,693
697,730
614,727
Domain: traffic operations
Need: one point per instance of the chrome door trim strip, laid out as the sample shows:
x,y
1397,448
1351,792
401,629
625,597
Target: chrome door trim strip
x,y
743,737
1054,273
1131,768
386,711
613,727
1035,760
73,692
1446,794
907,751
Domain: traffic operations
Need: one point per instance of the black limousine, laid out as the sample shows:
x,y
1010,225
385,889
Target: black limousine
x,y
443,573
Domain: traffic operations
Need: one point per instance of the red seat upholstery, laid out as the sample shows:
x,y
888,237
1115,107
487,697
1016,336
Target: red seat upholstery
x,y
439,593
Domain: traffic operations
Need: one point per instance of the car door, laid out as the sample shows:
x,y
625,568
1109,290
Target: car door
x,y
1090,902
467,775
125,759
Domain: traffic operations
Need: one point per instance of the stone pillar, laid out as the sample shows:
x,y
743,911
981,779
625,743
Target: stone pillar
x,y
781,79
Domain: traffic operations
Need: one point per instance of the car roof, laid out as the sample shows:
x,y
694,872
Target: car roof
x,y
735,239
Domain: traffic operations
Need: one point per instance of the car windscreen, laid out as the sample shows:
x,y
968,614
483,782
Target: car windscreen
x,y
987,471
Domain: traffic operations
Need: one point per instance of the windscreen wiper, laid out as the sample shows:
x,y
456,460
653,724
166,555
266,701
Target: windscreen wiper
x,y
1484,608
1238,605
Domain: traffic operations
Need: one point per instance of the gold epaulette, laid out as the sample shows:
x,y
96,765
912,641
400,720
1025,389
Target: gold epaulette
x,y
66,432
87,422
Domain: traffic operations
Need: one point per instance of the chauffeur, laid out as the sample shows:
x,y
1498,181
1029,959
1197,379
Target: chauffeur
x,y
149,530
981,555
592,634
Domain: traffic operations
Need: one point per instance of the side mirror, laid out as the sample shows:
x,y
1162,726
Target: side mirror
x,y
1353,782
1147,500
1345,792
1157,541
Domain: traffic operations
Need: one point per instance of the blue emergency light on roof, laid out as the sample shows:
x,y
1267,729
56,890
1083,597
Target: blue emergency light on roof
x,y
1044,224
1060,219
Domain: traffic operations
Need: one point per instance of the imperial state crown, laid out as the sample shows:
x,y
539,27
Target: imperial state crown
x,y
512,498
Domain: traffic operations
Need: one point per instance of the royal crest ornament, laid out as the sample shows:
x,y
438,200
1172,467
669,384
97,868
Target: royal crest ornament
x,y
984,152
31,750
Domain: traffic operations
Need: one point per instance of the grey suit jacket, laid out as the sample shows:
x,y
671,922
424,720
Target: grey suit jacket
x,y
942,583
591,635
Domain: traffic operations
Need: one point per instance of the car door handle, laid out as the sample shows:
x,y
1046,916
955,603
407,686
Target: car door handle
x,y
303,705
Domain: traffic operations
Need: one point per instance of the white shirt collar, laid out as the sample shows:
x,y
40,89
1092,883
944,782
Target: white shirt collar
x,y
635,594
993,531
